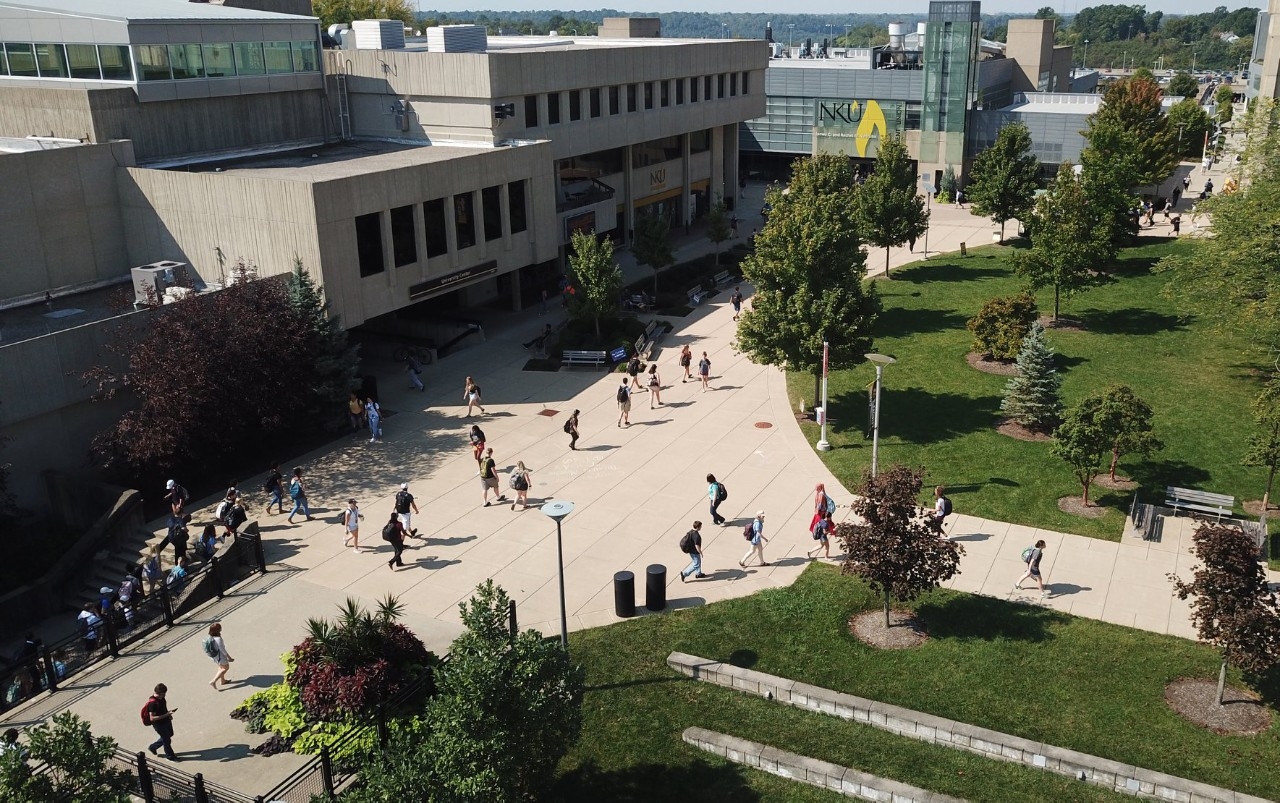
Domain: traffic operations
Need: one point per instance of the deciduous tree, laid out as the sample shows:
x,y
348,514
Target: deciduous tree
x,y
808,270
718,225
1234,608
1264,444
1002,324
890,209
652,245
1189,119
332,11
1125,421
597,279
1080,442
1222,98
78,765
1067,245
1005,177
1184,85
891,548
1131,131
1031,398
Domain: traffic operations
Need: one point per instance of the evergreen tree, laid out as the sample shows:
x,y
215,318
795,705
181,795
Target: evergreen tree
x,y
652,245
597,279
947,185
1031,398
333,362
1005,177
718,225
890,210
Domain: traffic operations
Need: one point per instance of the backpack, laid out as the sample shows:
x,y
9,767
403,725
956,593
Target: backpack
x,y
295,489
749,532
633,367
224,510
269,485
722,493
1027,553
518,482
126,589
146,711
946,506
389,532
402,502
210,649
623,396
686,543
568,426
831,504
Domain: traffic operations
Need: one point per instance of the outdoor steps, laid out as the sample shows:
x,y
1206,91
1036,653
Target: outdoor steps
x,y
108,564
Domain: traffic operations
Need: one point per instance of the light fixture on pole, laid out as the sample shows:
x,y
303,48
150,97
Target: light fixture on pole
x,y
1084,62
791,27
823,444
927,180
880,360
557,509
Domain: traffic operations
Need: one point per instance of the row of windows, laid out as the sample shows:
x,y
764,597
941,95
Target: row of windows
x,y
156,62
404,239
651,94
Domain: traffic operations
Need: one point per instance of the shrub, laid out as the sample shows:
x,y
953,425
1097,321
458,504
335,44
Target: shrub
x,y
1001,325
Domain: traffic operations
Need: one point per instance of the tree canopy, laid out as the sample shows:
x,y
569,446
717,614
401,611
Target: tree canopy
x,y
1191,122
597,279
891,211
78,765
1031,396
1184,85
718,225
1131,131
652,245
333,11
808,270
1264,443
1005,177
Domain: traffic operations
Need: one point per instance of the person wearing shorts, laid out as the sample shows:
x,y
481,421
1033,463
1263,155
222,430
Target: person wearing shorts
x,y
1033,569
686,360
624,403
736,300
704,371
489,478
821,533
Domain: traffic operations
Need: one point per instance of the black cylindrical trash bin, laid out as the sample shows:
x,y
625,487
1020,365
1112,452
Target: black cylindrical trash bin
x,y
624,594
655,587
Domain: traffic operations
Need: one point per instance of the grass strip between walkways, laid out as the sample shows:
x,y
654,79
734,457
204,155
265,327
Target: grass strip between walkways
x,y
1020,669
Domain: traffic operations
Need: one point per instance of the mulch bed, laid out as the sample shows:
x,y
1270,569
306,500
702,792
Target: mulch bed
x,y
1118,484
1254,506
1196,700
1063,324
979,362
1075,507
905,632
1018,432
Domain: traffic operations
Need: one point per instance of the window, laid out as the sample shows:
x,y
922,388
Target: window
x,y
186,61
575,105
249,59
83,61
304,57
115,62
706,88
22,60
655,151
693,89
720,86
679,91
530,111
369,243
52,60
553,108
219,61
665,93
153,63
404,247
4,62
733,84
491,201
595,102
631,98
700,141
464,220
279,57
613,100
515,207
746,82
434,226
648,95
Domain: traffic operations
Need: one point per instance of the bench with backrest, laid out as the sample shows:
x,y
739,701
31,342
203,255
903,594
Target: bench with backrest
x,y
595,358
722,278
646,341
695,295
1217,505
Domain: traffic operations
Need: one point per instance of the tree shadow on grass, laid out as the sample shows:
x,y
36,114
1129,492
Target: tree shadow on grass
x,y
918,416
898,322
649,783
1153,476
1130,321
935,271
974,617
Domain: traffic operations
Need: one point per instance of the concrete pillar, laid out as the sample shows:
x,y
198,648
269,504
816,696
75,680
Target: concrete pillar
x,y
628,192
685,187
451,231
388,248
420,238
731,162
716,185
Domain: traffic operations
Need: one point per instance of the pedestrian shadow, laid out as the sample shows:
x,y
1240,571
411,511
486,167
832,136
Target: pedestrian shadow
x,y
793,560
603,447
433,562
975,537
651,422
677,404
1055,590
726,387
257,681
454,541
231,752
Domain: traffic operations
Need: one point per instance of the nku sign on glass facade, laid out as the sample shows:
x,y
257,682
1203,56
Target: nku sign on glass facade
x,y
866,122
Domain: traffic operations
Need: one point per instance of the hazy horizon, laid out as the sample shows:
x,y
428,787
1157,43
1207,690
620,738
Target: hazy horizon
x,y
825,7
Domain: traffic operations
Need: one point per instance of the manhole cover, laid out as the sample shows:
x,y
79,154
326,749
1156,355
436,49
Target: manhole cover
x,y
548,412
763,425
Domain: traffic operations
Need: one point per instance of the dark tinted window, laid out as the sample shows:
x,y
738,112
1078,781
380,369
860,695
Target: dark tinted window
x,y
464,219
530,111
491,197
515,206
434,225
404,246
369,243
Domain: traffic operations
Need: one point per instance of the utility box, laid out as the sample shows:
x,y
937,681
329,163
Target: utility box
x,y
150,282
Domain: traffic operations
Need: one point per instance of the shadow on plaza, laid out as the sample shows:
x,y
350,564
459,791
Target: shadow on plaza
x,y
969,617
650,783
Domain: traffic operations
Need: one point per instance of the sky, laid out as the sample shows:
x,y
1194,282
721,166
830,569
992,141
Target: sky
x,y
826,6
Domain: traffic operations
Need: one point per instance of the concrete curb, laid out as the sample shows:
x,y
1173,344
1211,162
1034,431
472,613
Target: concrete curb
x,y
823,774
1114,775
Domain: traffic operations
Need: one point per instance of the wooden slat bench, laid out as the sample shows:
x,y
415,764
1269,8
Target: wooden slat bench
x,y
695,295
1217,505
646,341
722,278
596,358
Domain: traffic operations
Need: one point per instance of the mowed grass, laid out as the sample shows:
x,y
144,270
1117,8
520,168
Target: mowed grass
x,y
1020,669
940,414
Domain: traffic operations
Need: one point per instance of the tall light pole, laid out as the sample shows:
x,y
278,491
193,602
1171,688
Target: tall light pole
x,y
928,199
846,35
880,360
1193,62
725,27
791,27
823,444
557,509
1084,62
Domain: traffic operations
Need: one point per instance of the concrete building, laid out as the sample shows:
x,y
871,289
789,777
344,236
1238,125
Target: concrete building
x,y
1264,64
449,170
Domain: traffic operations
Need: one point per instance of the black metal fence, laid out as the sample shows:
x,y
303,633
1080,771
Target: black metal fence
x,y
156,781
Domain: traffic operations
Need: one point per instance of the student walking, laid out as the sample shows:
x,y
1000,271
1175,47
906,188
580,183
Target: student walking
x,y
351,525
717,493
275,487
1176,222
414,369
1032,557
571,429
374,413
355,412
634,368
941,509
216,649
489,478
655,387
686,360
393,533
822,504
477,442
520,483
405,508
691,545
822,534
736,301
704,371
89,621
471,395
756,532
624,403
234,517
298,493
159,716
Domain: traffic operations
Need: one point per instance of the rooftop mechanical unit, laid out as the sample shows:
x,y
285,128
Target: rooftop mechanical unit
x,y
378,34
152,284
457,39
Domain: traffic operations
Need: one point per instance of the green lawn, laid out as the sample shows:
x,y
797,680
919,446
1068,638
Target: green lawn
x,y
940,414
1021,669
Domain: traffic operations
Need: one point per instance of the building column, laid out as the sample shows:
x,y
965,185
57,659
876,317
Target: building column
x,y
388,249
731,162
716,186
686,171
628,192
420,238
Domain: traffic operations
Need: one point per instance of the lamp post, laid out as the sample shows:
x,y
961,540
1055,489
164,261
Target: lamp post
x,y
1084,62
927,180
791,27
846,35
880,360
724,30
823,444
1193,62
557,509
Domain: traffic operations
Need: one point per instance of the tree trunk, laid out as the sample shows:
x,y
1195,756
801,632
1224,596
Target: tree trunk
x,y
1002,232
596,319
886,261
1086,491
1222,681
655,285
886,609
1055,302
717,254
1115,458
1266,495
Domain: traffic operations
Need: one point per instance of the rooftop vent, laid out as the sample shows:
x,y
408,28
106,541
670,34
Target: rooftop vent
x,y
378,34
457,39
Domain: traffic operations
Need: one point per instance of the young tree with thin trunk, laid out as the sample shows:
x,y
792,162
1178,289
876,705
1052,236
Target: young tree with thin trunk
x,y
1005,177
1264,445
1067,246
891,210
718,225
597,279
652,245
1081,443
1125,421
1234,609
1031,397
808,270
892,548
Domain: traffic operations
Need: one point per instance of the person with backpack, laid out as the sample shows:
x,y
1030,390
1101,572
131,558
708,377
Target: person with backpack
x,y
520,483
298,493
686,360
180,537
274,487
351,525
355,412
471,395
216,649
1032,556
405,508
489,478
393,533
736,298
822,534
157,715
754,532
373,412
151,568
477,443
822,504
691,545
207,546
571,429
414,369
624,403
234,517
941,509
89,622
634,369
655,387
717,493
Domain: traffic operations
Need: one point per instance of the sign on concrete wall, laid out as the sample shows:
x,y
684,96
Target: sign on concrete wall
x,y
863,124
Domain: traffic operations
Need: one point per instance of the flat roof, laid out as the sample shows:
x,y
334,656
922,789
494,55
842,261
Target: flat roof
x,y
149,10
526,43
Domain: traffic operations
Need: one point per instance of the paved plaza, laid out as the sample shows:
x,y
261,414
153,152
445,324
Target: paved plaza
x,y
635,490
